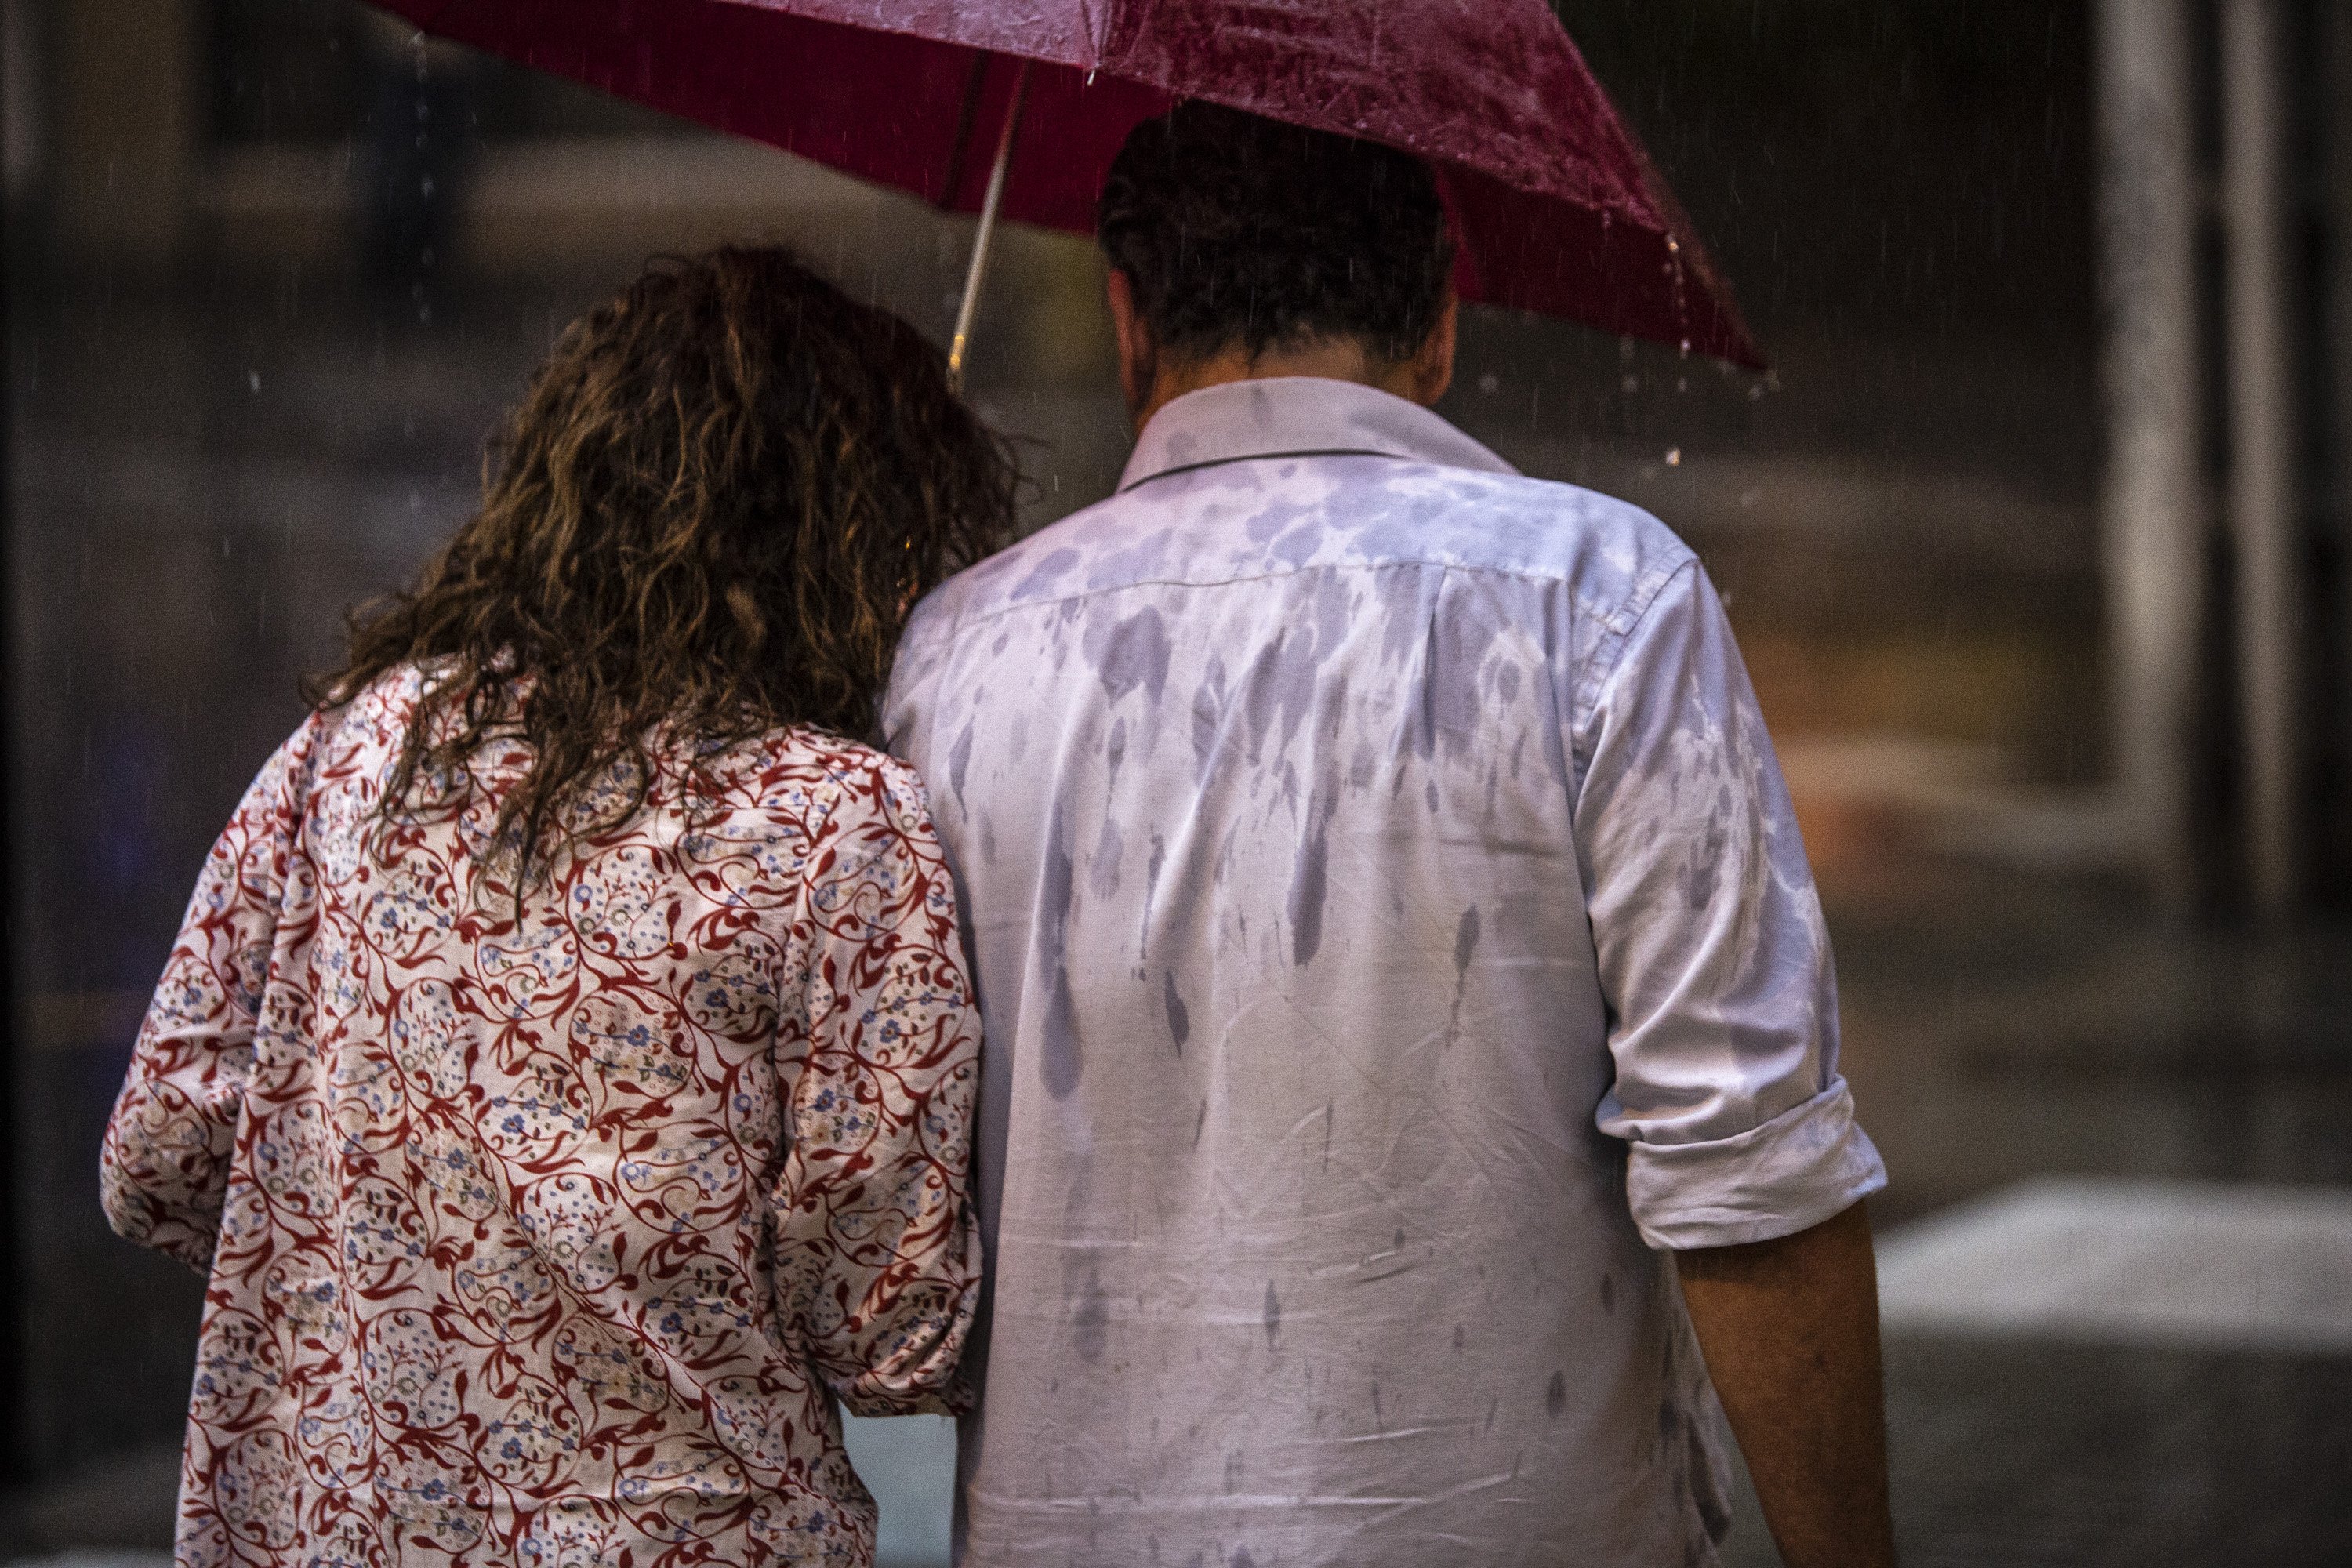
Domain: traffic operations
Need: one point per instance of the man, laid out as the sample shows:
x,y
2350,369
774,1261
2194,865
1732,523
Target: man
x,y
1399,963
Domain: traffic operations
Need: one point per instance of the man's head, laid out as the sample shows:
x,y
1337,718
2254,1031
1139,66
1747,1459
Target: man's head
x,y
1243,246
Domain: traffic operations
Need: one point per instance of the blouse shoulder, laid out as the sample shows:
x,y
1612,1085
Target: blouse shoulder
x,y
375,718
847,778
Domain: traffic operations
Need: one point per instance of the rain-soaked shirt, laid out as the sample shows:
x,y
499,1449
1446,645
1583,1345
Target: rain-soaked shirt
x,y
546,1232
1390,930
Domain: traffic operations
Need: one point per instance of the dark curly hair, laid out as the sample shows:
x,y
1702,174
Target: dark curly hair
x,y
1238,230
707,519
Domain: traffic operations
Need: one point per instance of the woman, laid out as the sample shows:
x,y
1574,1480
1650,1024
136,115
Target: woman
x,y
565,1069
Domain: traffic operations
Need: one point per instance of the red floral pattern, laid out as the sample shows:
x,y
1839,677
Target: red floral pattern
x,y
550,1238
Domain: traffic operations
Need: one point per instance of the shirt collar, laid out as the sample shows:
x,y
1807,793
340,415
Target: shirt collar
x,y
1297,416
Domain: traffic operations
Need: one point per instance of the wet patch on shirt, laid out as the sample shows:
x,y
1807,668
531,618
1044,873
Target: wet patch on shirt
x,y
1556,1396
1273,1316
1466,948
1046,573
1114,751
1150,896
1130,654
1309,885
1208,716
1091,1324
1465,941
1102,874
1280,685
960,759
1276,516
1059,1062
1180,1018
1460,641
1707,863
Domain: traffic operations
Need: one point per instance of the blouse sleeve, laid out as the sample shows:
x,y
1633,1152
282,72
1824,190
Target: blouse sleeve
x,y
876,1256
163,1166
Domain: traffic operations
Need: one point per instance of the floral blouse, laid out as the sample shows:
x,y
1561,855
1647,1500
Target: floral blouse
x,y
550,1237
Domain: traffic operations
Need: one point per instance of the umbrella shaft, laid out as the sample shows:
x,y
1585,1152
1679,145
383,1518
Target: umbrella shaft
x,y
987,231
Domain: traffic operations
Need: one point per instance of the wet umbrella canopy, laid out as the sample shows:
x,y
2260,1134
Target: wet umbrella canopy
x,y
1557,207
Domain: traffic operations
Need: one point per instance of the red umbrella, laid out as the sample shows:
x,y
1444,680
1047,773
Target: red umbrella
x,y
1556,205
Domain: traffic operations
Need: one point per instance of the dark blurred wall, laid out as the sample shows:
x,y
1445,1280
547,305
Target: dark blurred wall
x,y
1919,169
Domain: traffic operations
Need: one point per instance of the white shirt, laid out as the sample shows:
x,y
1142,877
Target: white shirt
x,y
1391,928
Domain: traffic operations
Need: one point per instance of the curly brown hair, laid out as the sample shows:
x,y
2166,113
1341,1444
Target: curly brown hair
x,y
707,519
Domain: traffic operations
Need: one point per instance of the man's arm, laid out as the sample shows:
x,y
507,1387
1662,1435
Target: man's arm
x,y
1743,1158
1790,1329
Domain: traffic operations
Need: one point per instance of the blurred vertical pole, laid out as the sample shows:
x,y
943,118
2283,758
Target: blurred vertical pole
x,y
2154,501
127,111
418,160
2336,67
20,154
2263,518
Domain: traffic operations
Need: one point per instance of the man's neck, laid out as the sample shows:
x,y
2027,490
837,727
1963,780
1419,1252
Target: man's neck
x,y
1152,380
1331,359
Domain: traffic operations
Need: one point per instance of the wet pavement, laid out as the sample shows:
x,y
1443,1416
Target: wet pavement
x,y
198,492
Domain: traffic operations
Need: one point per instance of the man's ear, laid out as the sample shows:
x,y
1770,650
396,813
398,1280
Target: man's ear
x,y
1138,352
1430,371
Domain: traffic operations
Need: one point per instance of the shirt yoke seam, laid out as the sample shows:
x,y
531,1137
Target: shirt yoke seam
x,y
1607,616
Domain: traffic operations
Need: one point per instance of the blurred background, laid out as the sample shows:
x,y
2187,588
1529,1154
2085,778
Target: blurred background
x,y
2038,540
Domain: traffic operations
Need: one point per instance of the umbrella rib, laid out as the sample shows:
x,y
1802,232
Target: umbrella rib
x,y
980,243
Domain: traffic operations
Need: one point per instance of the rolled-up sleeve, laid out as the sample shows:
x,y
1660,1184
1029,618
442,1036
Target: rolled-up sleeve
x,y
1711,950
877,1257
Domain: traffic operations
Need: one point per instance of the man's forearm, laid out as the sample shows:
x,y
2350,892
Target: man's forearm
x,y
1790,1329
